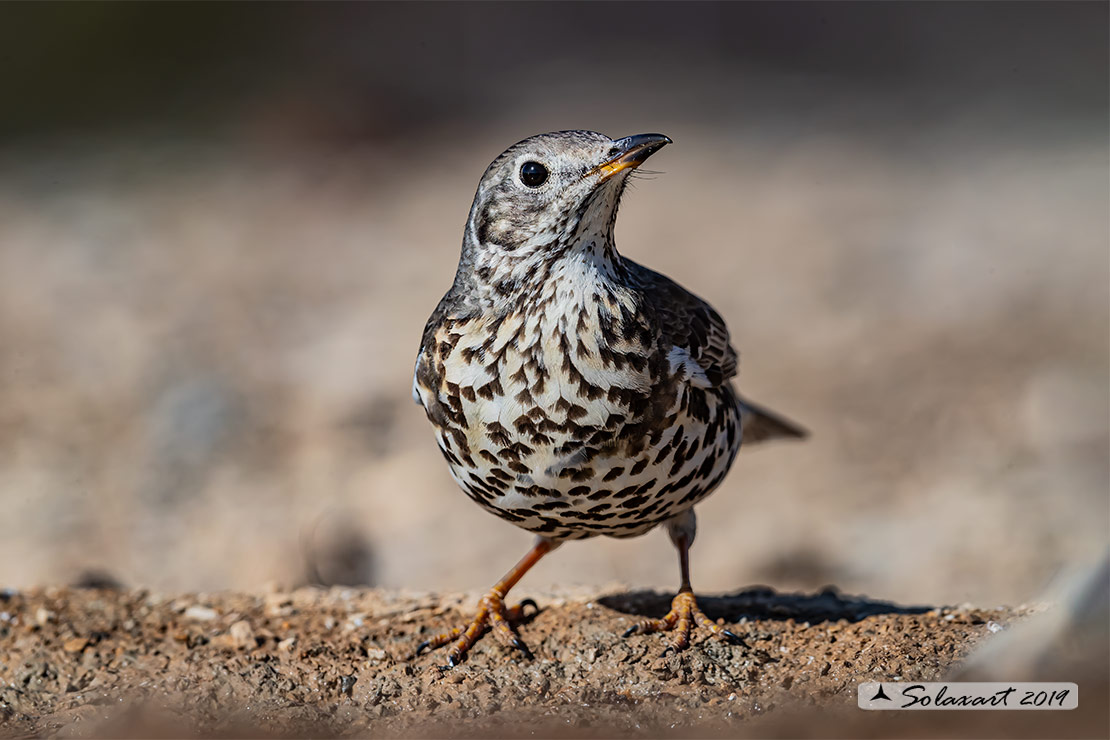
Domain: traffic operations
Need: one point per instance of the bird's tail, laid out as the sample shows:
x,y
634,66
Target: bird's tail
x,y
760,425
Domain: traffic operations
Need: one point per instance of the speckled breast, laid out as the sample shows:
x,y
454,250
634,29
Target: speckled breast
x,y
572,424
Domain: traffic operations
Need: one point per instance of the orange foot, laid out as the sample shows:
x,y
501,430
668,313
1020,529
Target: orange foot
x,y
491,614
681,618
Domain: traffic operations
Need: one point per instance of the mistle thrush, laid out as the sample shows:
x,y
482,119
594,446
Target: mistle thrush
x,y
573,391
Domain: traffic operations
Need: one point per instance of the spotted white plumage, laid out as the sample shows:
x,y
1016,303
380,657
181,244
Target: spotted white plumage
x,y
573,391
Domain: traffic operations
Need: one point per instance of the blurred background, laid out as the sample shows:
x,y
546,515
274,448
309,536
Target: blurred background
x,y
222,228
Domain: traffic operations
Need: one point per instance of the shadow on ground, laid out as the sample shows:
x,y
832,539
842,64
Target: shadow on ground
x,y
762,602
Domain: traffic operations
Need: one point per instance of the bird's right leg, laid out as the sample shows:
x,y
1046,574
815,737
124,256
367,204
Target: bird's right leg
x,y
492,613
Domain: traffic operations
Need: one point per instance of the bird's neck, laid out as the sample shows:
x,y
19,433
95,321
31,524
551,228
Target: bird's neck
x,y
584,285
589,267
569,271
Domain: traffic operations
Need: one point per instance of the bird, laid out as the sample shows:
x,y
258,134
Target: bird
x,y
574,392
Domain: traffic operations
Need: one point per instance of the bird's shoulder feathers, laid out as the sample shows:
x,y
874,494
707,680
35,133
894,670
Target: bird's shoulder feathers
x,y
687,322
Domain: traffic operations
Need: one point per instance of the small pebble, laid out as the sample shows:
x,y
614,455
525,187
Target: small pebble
x,y
242,634
75,644
201,613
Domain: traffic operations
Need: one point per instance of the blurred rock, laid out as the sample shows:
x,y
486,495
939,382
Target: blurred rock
x,y
338,553
95,578
1068,640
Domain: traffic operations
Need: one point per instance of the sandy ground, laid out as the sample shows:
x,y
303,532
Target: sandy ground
x,y
206,388
92,662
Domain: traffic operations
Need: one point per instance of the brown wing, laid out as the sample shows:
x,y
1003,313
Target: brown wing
x,y
688,323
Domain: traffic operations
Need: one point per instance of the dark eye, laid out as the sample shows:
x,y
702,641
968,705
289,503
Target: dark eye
x,y
533,174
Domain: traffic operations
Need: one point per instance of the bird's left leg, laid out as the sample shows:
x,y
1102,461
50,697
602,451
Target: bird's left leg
x,y
684,613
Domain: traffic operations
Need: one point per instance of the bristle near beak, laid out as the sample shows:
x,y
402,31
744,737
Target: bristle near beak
x,y
629,153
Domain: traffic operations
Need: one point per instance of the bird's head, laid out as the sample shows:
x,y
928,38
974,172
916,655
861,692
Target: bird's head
x,y
547,197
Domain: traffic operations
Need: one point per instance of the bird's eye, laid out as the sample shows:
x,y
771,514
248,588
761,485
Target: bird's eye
x,y
533,174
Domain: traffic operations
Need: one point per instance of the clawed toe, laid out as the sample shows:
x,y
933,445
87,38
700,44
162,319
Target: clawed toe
x,y
519,645
492,615
682,619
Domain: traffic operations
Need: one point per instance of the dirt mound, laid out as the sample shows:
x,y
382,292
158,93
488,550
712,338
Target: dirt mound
x,y
90,662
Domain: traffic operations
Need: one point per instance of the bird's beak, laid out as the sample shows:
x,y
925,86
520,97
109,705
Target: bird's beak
x,y
629,153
